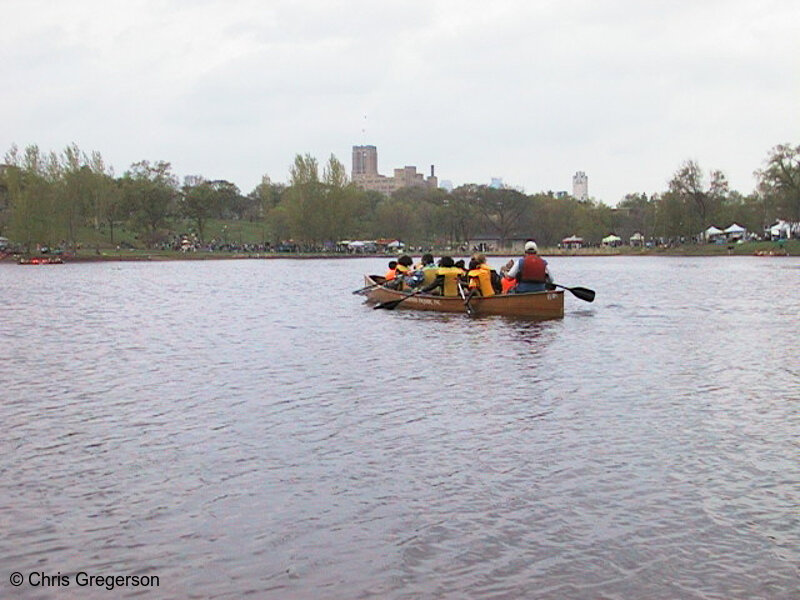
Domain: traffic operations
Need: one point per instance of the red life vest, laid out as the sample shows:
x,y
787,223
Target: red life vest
x,y
534,269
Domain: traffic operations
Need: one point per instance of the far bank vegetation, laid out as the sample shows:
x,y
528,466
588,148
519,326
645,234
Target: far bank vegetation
x,y
72,198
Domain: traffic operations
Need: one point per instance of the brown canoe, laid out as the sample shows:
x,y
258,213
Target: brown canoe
x,y
534,305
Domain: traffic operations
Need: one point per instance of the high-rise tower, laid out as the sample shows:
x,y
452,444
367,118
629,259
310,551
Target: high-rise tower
x,y
365,161
580,186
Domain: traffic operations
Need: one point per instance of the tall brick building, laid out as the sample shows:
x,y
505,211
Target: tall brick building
x,y
365,173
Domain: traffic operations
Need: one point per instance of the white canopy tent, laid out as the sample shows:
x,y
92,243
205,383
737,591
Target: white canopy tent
x,y
735,232
735,228
712,233
611,240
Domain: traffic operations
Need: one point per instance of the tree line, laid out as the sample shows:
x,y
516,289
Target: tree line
x,y
50,198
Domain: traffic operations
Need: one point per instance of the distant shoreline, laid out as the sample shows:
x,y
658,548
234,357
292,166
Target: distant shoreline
x,y
765,249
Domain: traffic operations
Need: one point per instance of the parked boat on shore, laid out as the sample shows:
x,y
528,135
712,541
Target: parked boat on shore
x,y
41,260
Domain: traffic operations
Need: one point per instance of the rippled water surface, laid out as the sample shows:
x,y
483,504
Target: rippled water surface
x,y
251,428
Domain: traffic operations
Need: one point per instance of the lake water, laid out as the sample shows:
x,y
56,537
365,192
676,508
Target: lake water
x,y
250,428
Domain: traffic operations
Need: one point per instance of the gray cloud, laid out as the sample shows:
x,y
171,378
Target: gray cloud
x,y
527,91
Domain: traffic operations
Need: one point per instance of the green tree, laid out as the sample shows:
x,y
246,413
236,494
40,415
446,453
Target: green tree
x,y
32,181
319,211
553,218
635,213
266,195
747,211
75,190
365,218
779,183
30,198
198,204
594,220
150,193
304,171
460,219
396,218
264,198
702,202
301,201
342,201
228,199
427,207
505,211
335,174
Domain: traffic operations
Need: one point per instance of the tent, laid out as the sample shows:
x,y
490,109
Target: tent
x,y
778,230
637,239
735,232
356,246
572,241
612,240
712,234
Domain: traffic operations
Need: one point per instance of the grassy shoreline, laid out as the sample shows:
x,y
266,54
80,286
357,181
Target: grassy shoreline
x,y
787,248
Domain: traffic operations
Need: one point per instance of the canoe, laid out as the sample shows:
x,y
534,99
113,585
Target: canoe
x,y
41,260
533,305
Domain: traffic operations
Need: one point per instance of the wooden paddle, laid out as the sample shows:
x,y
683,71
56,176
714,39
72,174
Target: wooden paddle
x,y
392,304
579,292
467,306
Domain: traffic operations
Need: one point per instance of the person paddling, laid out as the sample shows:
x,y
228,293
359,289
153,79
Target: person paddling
x,y
402,270
480,276
392,272
507,284
446,282
530,271
425,272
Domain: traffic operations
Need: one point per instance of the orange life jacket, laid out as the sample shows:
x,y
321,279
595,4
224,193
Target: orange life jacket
x,y
390,274
508,283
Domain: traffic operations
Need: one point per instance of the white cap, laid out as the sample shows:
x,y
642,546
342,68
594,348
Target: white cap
x,y
531,246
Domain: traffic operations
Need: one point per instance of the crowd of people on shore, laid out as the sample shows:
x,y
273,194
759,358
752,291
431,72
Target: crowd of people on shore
x,y
449,277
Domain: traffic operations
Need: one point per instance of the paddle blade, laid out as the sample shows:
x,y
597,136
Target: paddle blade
x,y
583,293
388,305
470,309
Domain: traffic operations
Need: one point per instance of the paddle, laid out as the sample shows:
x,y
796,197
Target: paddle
x,y
391,304
470,310
579,292
369,287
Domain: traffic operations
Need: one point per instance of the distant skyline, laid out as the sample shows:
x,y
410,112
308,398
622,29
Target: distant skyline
x,y
528,91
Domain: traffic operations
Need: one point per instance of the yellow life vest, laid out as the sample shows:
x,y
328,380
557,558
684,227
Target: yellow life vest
x,y
429,271
450,274
401,272
481,278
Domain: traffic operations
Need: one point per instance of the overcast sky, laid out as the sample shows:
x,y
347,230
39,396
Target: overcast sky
x,y
530,91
